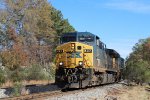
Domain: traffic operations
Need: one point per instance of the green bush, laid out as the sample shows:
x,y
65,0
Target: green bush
x,y
50,71
16,75
2,76
17,89
36,72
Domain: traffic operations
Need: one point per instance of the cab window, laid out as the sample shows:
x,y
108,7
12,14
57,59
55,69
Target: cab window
x,y
101,45
68,39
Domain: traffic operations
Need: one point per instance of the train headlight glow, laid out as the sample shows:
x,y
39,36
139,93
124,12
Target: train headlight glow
x,y
80,63
72,46
61,63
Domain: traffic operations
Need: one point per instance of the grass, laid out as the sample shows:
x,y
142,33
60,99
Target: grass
x,y
133,93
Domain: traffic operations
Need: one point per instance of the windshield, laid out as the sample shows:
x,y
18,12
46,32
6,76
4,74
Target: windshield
x,y
68,39
87,38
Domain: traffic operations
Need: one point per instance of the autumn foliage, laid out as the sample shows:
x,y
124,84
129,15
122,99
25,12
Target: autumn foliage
x,y
138,62
29,31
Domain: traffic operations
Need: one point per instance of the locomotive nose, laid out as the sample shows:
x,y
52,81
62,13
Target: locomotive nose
x,y
70,55
74,54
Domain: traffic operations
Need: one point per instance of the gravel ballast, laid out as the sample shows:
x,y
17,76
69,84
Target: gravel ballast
x,y
3,93
98,93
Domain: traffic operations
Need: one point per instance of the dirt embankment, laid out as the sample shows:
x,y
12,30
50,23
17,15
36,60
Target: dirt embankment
x,y
129,93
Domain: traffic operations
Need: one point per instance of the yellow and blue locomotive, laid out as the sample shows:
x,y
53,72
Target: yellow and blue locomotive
x,y
83,60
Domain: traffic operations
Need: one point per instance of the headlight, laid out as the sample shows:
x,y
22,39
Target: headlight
x,y
61,63
72,46
80,63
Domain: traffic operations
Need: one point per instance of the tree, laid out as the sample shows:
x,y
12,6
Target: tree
x,y
28,34
29,31
138,63
61,25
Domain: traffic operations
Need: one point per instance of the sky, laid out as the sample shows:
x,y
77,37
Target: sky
x,y
119,23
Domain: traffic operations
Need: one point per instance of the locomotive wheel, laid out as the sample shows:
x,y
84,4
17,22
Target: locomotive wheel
x,y
100,79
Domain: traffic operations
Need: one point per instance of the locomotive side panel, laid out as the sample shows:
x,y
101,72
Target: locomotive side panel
x,y
100,58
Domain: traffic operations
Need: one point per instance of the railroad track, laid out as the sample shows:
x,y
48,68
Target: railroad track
x,y
44,95
35,96
50,94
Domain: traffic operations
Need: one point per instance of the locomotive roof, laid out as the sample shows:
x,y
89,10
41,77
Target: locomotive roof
x,y
112,52
77,33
